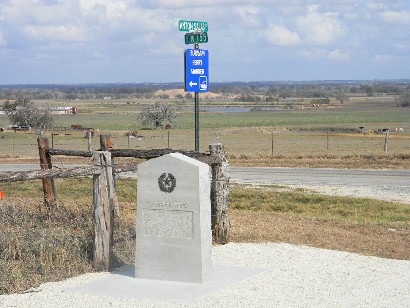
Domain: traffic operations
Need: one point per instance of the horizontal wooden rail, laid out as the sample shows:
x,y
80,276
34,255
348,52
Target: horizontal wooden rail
x,y
144,154
47,173
154,153
69,153
60,173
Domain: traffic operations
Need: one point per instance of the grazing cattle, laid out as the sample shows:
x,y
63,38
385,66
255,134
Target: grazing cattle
x,y
382,130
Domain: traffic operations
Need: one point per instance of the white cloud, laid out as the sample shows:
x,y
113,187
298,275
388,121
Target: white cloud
x,y
318,28
3,41
402,46
142,21
174,4
312,53
337,55
114,8
281,36
249,14
399,18
382,58
18,12
56,33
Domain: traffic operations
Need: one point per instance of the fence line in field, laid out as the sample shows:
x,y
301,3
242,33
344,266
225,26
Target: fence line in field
x,y
289,144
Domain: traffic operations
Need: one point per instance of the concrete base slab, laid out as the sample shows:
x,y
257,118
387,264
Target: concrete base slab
x,y
123,284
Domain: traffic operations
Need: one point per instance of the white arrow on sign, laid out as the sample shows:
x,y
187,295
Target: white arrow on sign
x,y
192,84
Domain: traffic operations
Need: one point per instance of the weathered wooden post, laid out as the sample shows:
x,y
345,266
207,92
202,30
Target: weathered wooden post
x,y
105,142
103,211
106,145
219,194
45,163
89,136
386,134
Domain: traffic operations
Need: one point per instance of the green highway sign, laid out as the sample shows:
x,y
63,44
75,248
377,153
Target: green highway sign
x,y
191,25
196,37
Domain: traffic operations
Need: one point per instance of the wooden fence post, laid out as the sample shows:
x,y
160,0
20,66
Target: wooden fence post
x,y
103,211
89,135
45,163
106,145
219,195
386,134
105,142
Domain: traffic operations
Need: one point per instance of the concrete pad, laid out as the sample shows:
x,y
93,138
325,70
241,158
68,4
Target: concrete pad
x,y
123,284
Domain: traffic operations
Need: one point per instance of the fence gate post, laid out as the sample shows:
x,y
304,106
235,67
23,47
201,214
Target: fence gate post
x,y
103,211
45,163
219,195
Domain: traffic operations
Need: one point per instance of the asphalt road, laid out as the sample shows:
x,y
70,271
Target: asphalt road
x,y
392,185
316,176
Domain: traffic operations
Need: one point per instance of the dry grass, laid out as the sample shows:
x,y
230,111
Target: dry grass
x,y
288,144
359,225
368,161
36,248
393,161
375,240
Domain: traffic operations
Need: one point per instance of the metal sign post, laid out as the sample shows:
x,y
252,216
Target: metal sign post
x,y
196,64
197,121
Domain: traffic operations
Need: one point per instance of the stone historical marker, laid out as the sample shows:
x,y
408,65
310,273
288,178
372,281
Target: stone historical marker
x,y
174,240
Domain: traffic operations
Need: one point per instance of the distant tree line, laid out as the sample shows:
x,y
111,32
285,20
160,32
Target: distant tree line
x,y
244,91
248,98
320,100
404,98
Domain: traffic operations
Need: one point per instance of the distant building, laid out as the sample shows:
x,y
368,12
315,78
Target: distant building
x,y
65,110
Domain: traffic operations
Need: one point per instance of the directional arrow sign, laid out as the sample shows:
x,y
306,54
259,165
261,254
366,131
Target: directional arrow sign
x,y
191,25
196,70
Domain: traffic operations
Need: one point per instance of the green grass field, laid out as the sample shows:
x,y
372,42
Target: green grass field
x,y
122,120
121,115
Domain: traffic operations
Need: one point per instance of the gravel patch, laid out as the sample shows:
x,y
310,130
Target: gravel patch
x,y
296,276
386,193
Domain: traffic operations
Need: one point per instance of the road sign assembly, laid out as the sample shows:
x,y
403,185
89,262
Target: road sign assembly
x,y
196,70
196,64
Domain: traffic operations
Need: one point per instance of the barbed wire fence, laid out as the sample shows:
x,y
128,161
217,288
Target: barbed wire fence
x,y
21,145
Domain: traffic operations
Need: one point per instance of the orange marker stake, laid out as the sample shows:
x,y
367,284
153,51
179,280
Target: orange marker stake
x,y
1,194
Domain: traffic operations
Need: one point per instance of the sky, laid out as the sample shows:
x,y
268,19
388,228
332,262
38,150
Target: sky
x,y
134,41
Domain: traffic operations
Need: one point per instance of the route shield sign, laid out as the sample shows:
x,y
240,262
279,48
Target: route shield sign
x,y
196,70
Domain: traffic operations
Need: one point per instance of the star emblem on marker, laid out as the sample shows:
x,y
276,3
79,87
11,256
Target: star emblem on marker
x,y
166,182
